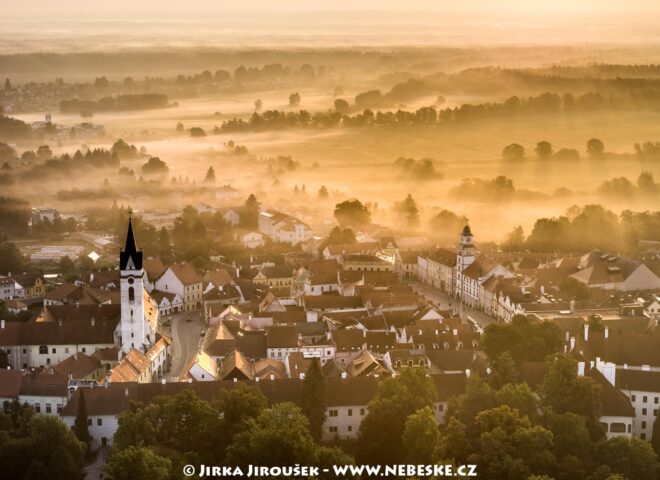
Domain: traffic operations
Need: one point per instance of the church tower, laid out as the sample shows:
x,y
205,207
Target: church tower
x,y
135,330
466,254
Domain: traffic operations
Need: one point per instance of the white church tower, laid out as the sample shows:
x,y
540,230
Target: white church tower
x,y
135,329
466,254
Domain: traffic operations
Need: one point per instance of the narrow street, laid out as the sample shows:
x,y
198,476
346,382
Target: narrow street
x,y
186,335
444,301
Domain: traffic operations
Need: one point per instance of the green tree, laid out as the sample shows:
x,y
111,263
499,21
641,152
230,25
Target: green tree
x,y
339,236
513,152
294,99
313,399
595,148
279,436
165,246
250,215
523,339
342,106
80,427
11,259
135,463
564,392
352,213
210,176
543,150
420,437
515,241
655,439
381,433
238,405
630,457
408,211
504,370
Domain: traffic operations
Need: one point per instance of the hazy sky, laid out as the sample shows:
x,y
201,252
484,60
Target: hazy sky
x,y
65,25
596,7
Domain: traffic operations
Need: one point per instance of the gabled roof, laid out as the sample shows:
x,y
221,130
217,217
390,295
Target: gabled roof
x,y
282,337
235,365
186,273
78,366
44,385
349,339
638,380
10,383
613,402
154,267
443,257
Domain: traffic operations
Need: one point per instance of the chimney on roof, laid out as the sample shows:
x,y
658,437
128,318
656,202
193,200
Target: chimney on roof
x,y
59,322
455,332
607,331
580,371
467,372
572,306
105,385
126,392
302,376
93,321
344,375
256,379
572,344
2,324
163,381
586,332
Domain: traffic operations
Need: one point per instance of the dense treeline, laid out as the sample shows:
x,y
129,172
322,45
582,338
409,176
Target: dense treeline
x,y
541,104
12,129
585,228
142,101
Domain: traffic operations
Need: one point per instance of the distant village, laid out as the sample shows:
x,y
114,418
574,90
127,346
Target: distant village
x,y
365,310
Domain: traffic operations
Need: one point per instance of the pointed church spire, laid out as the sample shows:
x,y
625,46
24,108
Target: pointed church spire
x,y
130,251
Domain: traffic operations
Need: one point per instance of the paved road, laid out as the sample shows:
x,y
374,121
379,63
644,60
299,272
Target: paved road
x,y
445,301
186,338
94,470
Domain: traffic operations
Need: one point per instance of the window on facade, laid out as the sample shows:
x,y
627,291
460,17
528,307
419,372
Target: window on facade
x,y
59,408
99,422
25,352
49,408
83,349
131,294
643,424
89,421
350,428
350,412
37,407
333,413
643,411
643,436
333,429
633,398
362,412
54,350
645,399
618,427
66,349
43,349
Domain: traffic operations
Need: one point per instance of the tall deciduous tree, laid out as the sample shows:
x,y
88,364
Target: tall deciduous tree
x,y
136,463
420,437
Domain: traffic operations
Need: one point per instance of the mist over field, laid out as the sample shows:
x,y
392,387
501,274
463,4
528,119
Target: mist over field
x,y
512,75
